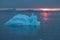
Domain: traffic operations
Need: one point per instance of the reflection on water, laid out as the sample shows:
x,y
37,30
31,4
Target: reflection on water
x,y
44,15
51,25
51,15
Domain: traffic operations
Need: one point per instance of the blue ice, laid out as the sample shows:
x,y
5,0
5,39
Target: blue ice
x,y
29,24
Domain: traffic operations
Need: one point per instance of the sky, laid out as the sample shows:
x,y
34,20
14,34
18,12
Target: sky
x,y
29,3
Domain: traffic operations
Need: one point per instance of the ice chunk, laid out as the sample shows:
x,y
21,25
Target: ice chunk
x,y
18,20
24,20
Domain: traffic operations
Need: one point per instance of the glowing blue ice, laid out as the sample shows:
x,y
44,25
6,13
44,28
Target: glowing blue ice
x,y
20,19
30,24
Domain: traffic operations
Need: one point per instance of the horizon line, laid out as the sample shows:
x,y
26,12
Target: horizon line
x,y
36,9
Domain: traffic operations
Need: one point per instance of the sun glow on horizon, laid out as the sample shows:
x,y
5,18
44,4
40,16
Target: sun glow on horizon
x,y
50,9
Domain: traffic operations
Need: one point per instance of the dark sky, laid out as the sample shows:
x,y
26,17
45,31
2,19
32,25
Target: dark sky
x,y
29,3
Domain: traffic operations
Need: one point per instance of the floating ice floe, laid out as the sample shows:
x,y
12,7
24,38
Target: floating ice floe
x,y
21,19
29,24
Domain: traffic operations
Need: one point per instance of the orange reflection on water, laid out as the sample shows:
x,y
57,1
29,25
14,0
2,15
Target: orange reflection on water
x,y
45,19
44,15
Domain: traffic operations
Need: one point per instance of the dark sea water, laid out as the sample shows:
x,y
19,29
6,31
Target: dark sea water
x,y
49,29
51,25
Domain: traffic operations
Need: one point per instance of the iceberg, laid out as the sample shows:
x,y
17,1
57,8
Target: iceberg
x,y
29,24
18,20
21,19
